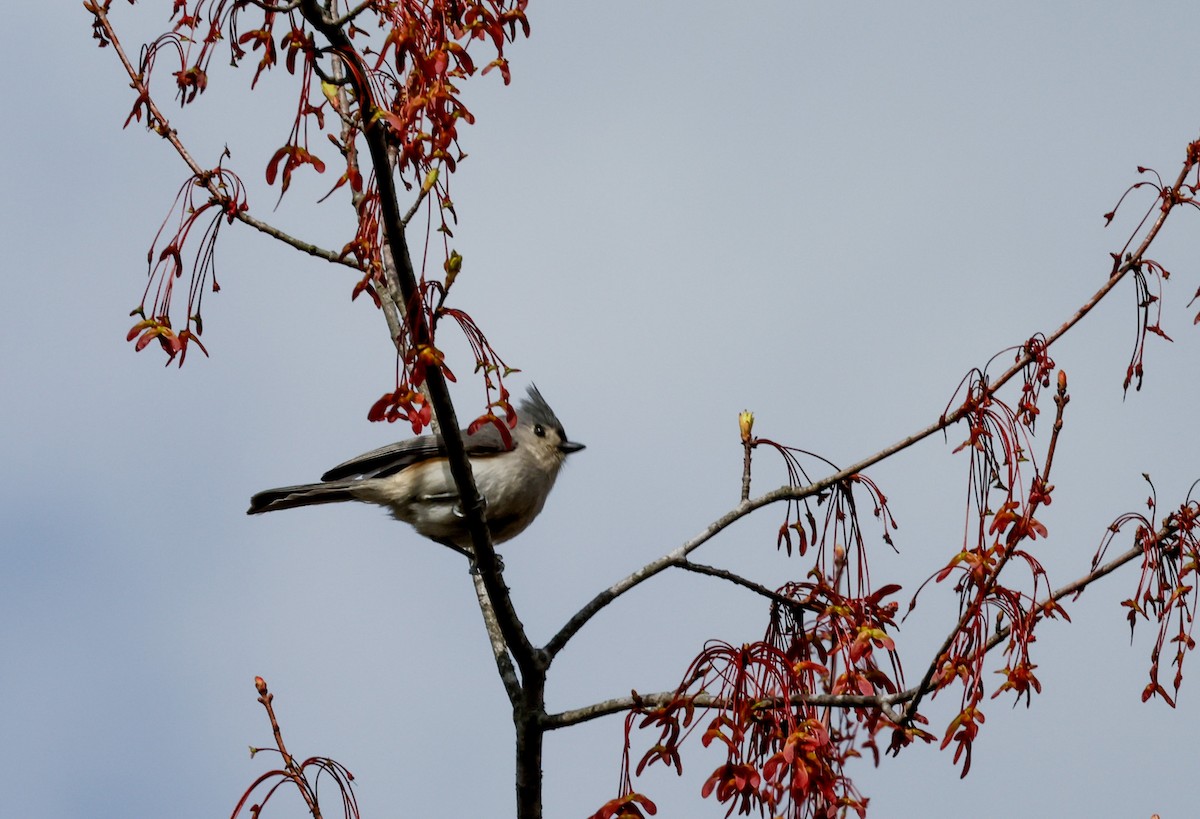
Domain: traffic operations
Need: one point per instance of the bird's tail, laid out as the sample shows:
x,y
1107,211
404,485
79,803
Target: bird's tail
x,y
309,494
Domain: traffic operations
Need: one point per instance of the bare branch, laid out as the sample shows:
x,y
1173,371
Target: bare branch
x,y
1076,587
426,186
504,664
672,558
618,705
393,306
294,771
282,9
746,427
354,12
306,247
349,124
738,580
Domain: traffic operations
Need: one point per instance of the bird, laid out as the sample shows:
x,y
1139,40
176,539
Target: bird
x,y
412,479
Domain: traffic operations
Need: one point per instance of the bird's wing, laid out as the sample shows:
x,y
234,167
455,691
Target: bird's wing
x,y
390,459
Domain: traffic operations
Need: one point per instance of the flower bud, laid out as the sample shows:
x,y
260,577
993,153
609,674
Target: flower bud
x,y
746,425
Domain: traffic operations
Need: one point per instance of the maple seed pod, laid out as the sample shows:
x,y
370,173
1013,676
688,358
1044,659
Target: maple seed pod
x,y
746,425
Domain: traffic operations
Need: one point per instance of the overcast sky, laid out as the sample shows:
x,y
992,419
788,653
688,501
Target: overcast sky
x,y
826,213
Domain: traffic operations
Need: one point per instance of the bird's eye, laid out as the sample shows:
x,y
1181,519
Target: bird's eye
x,y
539,430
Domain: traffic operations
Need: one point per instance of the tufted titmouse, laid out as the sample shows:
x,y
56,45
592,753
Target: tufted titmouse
x,y
412,478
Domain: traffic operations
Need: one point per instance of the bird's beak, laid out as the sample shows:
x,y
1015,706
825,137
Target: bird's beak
x,y
567,447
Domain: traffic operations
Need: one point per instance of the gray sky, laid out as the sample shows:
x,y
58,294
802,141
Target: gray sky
x,y
826,213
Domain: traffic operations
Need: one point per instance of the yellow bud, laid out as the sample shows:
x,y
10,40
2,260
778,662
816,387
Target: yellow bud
x,y
746,425
331,93
453,266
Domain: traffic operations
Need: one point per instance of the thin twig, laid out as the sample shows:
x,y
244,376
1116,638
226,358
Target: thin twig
x,y
746,427
425,187
354,12
1075,587
658,699
672,558
294,771
350,127
504,663
283,9
738,580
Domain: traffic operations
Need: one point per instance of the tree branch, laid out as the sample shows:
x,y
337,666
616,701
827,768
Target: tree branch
x,y
293,771
565,719
504,663
354,12
738,580
159,123
495,602
471,502
1075,587
618,705
281,9
1132,261
746,427
672,558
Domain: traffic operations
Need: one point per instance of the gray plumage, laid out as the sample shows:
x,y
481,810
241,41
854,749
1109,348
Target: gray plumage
x,y
412,478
